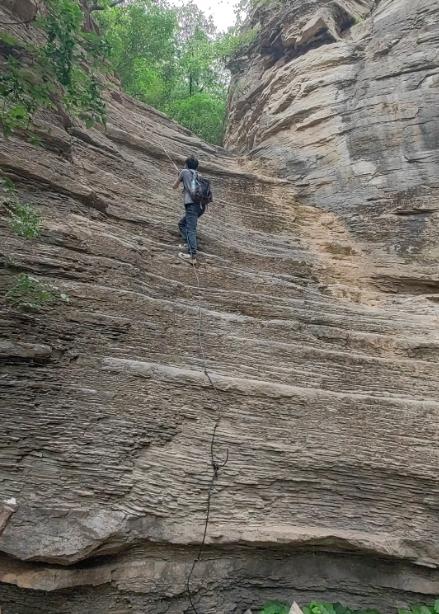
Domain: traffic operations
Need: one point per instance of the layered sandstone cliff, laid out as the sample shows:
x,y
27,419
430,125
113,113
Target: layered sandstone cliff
x,y
321,335
341,96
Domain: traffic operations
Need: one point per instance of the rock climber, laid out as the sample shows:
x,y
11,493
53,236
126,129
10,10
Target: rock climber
x,y
188,223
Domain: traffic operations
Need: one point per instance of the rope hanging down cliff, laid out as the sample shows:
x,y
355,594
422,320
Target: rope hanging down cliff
x,y
216,464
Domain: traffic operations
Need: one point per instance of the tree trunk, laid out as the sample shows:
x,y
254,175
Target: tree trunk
x,y
89,25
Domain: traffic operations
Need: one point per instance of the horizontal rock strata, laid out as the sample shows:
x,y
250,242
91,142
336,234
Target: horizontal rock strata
x,y
326,379
341,98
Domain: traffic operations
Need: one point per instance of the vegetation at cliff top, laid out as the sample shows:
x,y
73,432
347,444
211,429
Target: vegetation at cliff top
x,y
171,58
61,73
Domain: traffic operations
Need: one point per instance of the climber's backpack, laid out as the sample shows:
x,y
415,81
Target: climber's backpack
x,y
200,190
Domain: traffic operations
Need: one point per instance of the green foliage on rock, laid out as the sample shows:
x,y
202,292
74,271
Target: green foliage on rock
x,y
25,221
29,293
22,91
8,41
71,53
421,609
7,188
26,292
58,73
84,98
62,25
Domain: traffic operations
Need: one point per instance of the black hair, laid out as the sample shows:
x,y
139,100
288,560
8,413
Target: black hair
x,y
192,163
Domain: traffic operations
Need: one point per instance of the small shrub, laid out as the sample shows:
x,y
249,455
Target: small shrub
x,y
22,93
30,293
97,47
23,219
13,117
84,98
321,607
7,186
316,607
359,19
25,222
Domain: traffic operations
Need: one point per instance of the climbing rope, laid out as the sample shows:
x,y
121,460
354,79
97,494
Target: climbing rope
x,y
170,159
216,464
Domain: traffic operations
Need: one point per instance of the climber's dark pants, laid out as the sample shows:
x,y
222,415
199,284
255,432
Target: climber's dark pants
x,y
188,226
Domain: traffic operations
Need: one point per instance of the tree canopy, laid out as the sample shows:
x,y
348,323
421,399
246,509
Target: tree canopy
x,y
173,59
169,57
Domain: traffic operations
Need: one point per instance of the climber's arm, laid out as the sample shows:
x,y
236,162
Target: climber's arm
x,y
177,183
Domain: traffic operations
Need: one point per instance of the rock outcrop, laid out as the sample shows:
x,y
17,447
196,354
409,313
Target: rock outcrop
x,y
341,96
327,378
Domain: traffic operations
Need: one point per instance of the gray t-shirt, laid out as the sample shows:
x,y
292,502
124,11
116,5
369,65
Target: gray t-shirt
x,y
185,177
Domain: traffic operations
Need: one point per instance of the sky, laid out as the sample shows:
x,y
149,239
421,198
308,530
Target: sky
x,y
222,11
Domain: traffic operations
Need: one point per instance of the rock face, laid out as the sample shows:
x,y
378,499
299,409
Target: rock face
x,y
341,96
326,379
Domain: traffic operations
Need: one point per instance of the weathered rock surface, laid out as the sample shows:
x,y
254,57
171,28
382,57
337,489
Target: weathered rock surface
x,y
326,375
341,96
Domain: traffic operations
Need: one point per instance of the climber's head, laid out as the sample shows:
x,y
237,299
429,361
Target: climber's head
x,y
192,163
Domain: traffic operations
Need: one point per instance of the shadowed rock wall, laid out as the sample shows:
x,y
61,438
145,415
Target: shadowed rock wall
x,y
329,386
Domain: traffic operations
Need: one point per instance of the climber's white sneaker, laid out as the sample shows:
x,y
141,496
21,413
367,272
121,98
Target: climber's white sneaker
x,y
187,258
184,247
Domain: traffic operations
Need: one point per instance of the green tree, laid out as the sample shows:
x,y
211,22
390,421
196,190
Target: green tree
x,y
142,41
202,113
173,59
199,94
